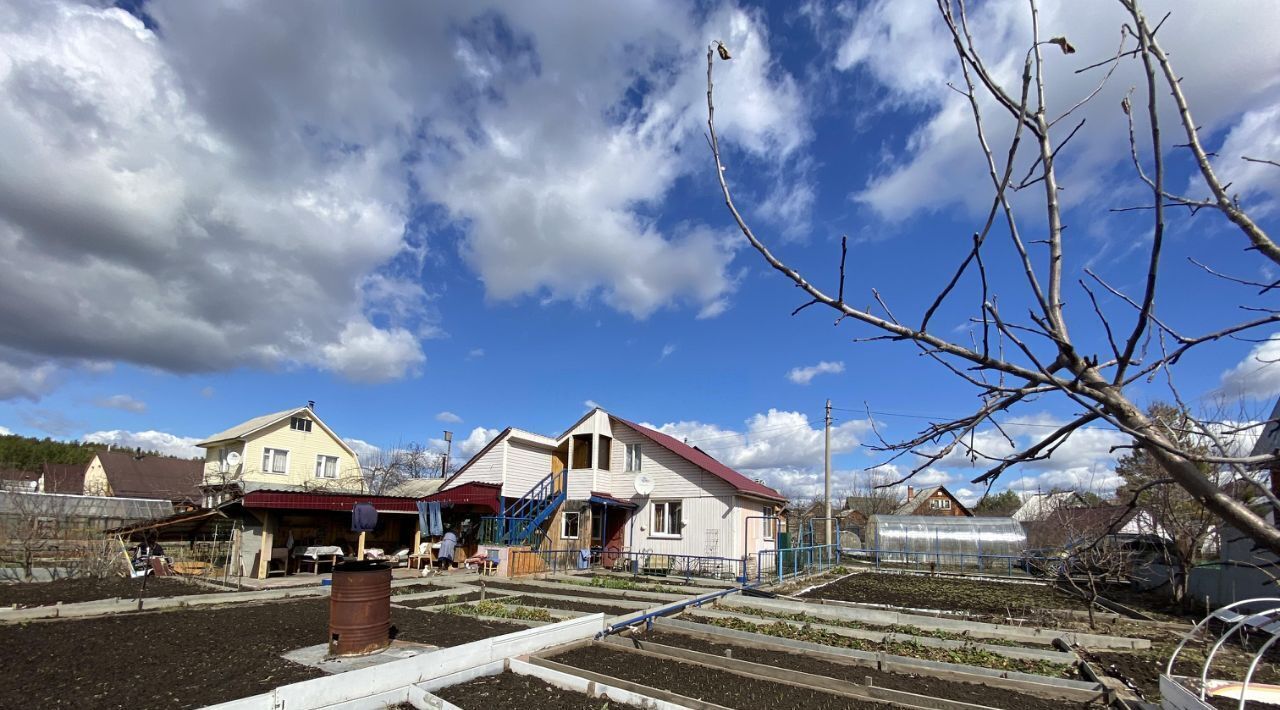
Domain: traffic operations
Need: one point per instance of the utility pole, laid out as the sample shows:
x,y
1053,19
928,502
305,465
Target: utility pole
x,y
827,472
448,454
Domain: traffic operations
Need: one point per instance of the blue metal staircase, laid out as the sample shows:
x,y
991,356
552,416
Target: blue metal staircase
x,y
521,521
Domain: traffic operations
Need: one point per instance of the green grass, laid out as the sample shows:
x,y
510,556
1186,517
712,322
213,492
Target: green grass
x,y
616,583
499,610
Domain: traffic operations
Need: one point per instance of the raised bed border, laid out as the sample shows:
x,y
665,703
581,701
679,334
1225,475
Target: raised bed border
x,y
1028,683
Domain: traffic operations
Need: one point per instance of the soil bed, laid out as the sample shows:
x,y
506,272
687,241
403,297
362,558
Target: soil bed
x,y
518,692
708,684
921,685
568,591
967,655
417,589
437,601
185,658
1143,668
980,596
84,589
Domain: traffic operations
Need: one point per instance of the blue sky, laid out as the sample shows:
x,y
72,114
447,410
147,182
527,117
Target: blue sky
x,y
495,215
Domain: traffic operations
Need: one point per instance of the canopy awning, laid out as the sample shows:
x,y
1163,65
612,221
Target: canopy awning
x,y
611,501
174,524
478,494
339,502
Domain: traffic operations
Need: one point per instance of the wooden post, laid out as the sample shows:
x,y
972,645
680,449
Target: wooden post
x,y
264,556
360,547
417,541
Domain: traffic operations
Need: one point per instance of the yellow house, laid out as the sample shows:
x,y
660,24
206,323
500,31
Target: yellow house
x,y
289,450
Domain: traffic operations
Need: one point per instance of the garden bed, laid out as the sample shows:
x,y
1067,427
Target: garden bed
x,y
967,655
921,685
86,589
187,658
512,691
947,593
417,589
707,684
565,605
437,601
1143,668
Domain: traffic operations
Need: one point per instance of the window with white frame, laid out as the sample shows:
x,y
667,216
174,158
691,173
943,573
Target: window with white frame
x,y
275,460
940,504
326,466
633,457
569,524
770,523
667,518
300,424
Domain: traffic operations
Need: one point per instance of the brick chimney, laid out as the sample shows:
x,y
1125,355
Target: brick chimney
x,y
911,492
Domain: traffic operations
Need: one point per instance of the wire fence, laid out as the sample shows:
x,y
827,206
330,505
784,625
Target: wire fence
x,y
1024,565
637,563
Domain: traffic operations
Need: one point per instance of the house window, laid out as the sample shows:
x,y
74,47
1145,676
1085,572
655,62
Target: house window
x,y
300,424
770,523
633,457
223,466
667,519
940,504
326,466
275,460
569,523
597,522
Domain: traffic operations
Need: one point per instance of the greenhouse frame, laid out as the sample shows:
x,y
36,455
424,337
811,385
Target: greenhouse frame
x,y
944,541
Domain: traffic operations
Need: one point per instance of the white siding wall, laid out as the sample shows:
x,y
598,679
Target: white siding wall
x,y
486,469
527,464
711,521
582,483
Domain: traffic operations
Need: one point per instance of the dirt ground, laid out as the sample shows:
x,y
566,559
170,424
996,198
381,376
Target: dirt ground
x,y
1143,668
711,685
187,658
517,692
67,591
436,601
948,593
922,685
416,589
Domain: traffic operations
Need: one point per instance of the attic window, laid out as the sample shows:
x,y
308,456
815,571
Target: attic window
x,y
940,504
300,424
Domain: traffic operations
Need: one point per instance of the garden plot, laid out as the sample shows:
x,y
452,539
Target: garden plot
x,y
635,594
85,589
914,591
186,658
974,692
694,683
513,691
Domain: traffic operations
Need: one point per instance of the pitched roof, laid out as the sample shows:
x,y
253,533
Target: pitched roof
x,y
152,476
64,477
1040,505
1269,440
909,506
699,458
244,429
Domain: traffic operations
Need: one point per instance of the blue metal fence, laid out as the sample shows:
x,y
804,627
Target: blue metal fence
x,y
792,562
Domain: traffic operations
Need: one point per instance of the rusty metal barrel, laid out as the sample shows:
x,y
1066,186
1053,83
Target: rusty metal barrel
x,y
360,608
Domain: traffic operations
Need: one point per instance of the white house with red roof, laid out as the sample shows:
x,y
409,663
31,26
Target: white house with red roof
x,y
607,483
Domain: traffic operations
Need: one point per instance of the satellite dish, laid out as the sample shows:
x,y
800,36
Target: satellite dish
x,y
233,459
644,484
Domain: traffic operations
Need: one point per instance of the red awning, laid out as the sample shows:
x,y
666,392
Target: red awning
x,y
278,500
481,494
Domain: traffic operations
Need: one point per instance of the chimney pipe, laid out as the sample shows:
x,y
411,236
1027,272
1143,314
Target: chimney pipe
x,y
311,404
911,492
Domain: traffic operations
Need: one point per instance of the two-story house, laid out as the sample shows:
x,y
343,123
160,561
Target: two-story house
x,y
288,450
936,500
613,484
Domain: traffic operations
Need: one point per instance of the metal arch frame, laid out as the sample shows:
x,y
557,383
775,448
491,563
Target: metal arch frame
x,y
1203,624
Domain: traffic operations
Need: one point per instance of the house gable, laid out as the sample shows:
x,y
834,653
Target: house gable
x,y
934,501
301,451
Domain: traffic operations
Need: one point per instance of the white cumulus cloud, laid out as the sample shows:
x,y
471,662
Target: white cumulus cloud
x,y
1257,376
448,418
805,375
150,440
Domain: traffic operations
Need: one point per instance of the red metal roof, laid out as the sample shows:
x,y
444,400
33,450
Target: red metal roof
x,y
700,459
326,501
474,493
